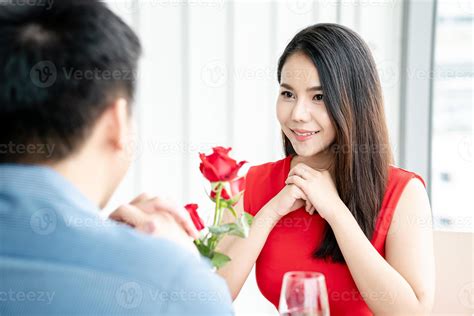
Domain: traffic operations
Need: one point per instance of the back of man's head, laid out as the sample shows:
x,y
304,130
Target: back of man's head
x,y
60,68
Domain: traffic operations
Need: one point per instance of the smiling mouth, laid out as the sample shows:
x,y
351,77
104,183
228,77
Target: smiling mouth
x,y
306,134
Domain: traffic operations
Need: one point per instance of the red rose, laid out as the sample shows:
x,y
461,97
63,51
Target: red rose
x,y
224,195
192,210
219,166
236,187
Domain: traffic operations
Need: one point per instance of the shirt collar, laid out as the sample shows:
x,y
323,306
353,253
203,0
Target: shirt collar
x,y
42,182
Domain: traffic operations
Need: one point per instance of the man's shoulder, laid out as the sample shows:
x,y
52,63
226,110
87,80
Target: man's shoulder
x,y
120,249
60,233
181,281
138,271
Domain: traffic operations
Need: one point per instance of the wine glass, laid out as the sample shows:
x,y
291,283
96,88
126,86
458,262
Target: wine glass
x,y
304,294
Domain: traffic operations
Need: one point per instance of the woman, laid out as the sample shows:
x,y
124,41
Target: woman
x,y
335,204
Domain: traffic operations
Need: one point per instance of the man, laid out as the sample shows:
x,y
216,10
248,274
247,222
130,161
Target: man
x,y
66,88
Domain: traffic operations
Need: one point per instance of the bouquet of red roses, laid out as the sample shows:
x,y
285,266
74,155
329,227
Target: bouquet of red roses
x,y
226,189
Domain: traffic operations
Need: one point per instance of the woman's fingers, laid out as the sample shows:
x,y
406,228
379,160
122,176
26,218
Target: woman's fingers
x,y
299,171
299,198
310,208
303,171
298,183
296,180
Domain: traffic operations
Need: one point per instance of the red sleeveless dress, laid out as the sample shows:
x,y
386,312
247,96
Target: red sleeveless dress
x,y
293,239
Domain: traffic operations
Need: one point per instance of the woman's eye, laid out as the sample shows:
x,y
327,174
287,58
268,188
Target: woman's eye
x,y
287,94
318,97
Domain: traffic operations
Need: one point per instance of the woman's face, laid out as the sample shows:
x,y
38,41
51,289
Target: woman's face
x,y
300,107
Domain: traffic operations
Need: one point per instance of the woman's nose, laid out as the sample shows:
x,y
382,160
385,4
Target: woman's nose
x,y
300,111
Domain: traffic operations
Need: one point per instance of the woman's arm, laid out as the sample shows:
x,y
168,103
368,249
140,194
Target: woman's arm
x,y
244,251
403,284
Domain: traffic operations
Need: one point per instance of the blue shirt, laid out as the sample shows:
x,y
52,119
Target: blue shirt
x,y
58,256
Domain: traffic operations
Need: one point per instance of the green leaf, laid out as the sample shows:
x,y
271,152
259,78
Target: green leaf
x,y
235,199
219,260
245,221
248,218
244,226
231,209
221,229
234,229
204,249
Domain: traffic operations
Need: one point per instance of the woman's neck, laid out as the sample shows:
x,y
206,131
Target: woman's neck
x,y
321,161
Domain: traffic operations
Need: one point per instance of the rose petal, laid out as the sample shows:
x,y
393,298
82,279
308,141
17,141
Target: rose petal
x,y
197,221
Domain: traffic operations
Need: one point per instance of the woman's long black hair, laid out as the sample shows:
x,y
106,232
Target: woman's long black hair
x,y
353,98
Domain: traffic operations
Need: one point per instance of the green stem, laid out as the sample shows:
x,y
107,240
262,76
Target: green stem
x,y
218,199
212,242
221,213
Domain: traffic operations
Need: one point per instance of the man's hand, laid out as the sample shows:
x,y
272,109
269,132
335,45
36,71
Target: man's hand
x,y
160,218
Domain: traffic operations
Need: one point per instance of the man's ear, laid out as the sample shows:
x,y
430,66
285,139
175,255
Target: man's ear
x,y
118,123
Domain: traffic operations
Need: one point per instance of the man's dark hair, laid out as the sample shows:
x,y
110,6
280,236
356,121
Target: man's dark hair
x,y
60,67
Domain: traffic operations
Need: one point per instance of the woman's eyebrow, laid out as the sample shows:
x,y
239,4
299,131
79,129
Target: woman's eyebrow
x,y
315,88
286,86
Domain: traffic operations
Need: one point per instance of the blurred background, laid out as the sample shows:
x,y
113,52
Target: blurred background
x,y
208,77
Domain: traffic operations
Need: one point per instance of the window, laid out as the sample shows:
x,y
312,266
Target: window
x,y
452,117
